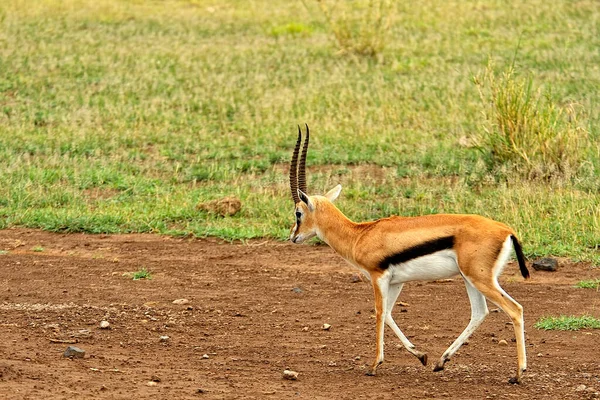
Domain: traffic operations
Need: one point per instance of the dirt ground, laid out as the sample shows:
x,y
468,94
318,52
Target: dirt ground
x,y
254,310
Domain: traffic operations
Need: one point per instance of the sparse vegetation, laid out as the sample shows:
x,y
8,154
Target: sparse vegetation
x,y
588,284
143,273
124,116
37,249
568,323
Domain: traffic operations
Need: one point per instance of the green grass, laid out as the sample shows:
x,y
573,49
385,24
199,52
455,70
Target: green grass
x,y
123,115
588,284
567,323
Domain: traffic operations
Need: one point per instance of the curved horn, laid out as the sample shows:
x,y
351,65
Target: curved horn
x,y
302,167
294,169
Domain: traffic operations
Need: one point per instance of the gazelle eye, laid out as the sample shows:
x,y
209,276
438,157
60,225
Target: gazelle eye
x,y
298,214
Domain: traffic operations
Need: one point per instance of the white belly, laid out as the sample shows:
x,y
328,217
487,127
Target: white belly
x,y
439,265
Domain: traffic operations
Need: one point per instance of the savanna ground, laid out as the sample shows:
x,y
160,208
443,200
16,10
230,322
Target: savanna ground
x,y
125,117
256,309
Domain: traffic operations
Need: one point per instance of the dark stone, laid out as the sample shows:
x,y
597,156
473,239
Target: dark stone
x,y
545,264
297,290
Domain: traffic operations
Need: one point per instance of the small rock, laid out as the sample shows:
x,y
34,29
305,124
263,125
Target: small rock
x,y
201,391
181,301
539,355
297,290
74,352
151,383
54,327
290,375
205,356
164,339
355,278
326,327
545,264
305,329
104,325
503,342
580,388
155,378
357,358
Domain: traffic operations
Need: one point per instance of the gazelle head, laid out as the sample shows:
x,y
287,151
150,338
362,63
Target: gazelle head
x,y
308,209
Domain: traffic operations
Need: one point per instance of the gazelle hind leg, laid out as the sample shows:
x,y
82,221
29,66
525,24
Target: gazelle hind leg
x,y
479,311
498,296
393,293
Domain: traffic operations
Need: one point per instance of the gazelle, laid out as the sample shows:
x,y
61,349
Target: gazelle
x,y
395,250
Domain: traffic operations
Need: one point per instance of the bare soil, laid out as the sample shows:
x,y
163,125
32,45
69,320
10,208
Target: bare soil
x,y
254,310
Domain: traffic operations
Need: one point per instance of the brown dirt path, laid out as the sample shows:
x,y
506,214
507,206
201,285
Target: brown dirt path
x,y
245,316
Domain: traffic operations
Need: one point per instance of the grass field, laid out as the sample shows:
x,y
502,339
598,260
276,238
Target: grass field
x,y
125,115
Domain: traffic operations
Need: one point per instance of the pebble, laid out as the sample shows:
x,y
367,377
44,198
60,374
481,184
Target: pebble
x,y
326,327
580,388
151,383
290,375
74,352
355,278
297,290
164,338
205,356
104,325
181,301
503,342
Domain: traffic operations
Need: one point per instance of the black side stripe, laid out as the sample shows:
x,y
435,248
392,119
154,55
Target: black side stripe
x,y
420,250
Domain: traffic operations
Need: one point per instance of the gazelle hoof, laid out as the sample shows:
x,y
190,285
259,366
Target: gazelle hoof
x,y
423,358
439,367
514,380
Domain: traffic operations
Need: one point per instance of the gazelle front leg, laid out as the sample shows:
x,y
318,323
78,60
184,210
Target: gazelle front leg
x,y
393,293
380,289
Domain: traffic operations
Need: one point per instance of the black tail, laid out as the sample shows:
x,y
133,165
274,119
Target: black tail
x,y
520,257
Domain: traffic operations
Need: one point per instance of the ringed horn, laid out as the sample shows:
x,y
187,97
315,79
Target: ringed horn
x,y
298,172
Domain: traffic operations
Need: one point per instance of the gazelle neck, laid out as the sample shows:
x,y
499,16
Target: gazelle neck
x,y
335,229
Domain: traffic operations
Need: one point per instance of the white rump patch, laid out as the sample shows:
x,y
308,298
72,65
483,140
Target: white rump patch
x,y
503,257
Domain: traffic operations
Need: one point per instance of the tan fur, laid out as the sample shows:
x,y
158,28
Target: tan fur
x,y
478,242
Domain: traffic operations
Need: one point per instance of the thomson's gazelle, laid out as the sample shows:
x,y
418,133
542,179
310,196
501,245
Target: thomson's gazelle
x,y
393,251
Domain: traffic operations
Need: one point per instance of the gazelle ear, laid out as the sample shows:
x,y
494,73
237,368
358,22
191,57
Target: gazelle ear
x,y
304,197
334,193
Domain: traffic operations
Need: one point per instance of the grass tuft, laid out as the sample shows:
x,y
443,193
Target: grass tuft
x,y
526,128
358,27
588,284
141,274
567,323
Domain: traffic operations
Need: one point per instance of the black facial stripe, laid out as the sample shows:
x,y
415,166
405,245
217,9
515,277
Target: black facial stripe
x,y
420,250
